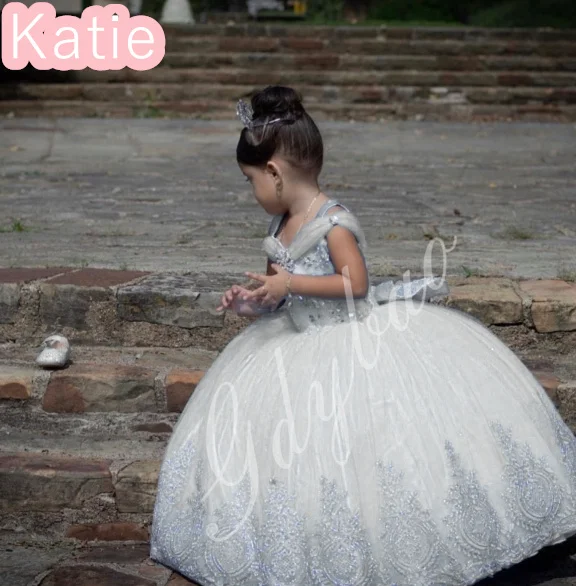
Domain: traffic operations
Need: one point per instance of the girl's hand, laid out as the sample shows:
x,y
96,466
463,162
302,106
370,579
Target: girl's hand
x,y
229,296
273,286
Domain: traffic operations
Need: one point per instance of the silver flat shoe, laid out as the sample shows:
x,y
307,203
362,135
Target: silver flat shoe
x,y
55,352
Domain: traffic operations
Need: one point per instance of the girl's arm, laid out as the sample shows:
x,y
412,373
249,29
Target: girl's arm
x,y
351,275
346,256
271,271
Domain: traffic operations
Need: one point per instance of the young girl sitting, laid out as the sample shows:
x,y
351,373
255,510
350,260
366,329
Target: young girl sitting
x,y
341,440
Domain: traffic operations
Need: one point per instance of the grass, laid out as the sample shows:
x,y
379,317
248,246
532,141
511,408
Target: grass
x,y
258,234
16,226
80,261
186,238
431,233
470,272
515,233
567,274
149,110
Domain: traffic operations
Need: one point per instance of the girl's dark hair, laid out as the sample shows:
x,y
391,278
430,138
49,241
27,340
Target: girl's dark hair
x,y
295,137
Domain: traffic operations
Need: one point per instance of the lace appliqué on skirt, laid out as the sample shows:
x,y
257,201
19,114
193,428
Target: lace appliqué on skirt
x,y
413,546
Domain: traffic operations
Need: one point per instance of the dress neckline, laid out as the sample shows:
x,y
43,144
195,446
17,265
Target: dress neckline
x,y
321,208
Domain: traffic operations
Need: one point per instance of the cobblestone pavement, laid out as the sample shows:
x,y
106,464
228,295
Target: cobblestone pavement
x,y
158,194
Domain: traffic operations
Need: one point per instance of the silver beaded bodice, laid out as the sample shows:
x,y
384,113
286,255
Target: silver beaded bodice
x,y
309,313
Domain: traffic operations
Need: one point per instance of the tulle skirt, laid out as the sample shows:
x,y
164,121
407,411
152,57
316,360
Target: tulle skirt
x,y
411,448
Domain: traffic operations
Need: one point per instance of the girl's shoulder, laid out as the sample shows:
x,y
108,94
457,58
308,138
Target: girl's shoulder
x,y
328,208
331,207
341,215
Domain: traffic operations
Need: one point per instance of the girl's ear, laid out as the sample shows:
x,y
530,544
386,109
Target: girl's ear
x,y
274,170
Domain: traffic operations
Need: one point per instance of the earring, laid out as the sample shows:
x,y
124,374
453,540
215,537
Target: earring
x,y
279,187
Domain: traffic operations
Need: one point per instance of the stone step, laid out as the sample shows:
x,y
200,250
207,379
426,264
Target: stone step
x,y
116,308
429,62
340,33
90,560
315,95
122,391
426,73
137,308
292,48
99,435
98,387
324,75
128,564
56,495
224,110
122,406
82,446
76,478
59,471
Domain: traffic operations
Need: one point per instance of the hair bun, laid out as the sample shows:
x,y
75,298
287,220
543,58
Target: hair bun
x,y
277,101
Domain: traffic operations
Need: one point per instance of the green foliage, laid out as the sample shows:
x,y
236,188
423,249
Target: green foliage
x,y
152,8
528,13
493,13
429,10
326,10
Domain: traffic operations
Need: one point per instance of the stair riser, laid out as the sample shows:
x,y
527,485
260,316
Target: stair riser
x,y
307,46
207,110
93,388
325,76
364,73
140,93
182,59
46,496
341,33
112,317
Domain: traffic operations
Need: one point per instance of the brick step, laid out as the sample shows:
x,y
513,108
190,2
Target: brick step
x,y
86,562
315,95
326,76
332,61
143,395
115,435
56,495
67,477
224,110
121,406
339,33
97,387
304,47
146,387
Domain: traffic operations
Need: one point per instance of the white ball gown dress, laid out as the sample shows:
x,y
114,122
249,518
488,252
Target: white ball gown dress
x,y
360,443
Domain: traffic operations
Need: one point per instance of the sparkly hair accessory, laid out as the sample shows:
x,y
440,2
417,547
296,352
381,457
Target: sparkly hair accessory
x,y
246,115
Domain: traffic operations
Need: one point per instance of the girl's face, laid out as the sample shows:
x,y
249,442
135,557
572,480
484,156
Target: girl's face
x,y
264,182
